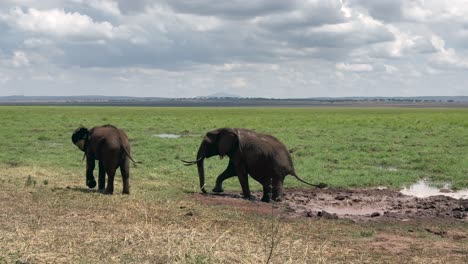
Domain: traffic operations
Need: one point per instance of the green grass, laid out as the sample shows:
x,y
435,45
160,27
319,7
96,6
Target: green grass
x,y
49,216
344,147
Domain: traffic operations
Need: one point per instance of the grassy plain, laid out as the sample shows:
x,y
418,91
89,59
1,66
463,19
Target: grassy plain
x,y
44,221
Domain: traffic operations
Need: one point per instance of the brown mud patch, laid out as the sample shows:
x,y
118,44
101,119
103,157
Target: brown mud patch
x,y
229,199
355,204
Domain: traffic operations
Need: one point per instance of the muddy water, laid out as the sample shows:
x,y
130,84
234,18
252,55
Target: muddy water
x,y
365,204
355,204
423,189
350,210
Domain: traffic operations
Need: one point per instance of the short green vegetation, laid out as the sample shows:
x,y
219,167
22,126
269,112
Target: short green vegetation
x,y
343,147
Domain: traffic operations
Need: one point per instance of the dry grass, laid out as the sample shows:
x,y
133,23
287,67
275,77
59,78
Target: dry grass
x,y
50,223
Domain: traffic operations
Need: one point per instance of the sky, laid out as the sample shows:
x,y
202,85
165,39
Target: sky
x,y
250,48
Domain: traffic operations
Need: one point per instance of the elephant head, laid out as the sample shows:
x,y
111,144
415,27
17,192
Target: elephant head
x,y
80,138
222,142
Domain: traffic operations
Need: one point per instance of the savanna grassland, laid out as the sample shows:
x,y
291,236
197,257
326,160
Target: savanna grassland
x,y
47,214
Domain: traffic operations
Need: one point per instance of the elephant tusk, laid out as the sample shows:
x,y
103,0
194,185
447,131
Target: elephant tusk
x,y
189,163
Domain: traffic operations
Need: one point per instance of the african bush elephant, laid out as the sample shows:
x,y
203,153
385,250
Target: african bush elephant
x,y
262,156
109,145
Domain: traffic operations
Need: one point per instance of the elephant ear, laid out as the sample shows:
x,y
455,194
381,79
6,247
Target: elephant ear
x,y
80,136
212,136
228,141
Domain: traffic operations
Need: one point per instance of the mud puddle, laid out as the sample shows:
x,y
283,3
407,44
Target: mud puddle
x,y
355,204
423,189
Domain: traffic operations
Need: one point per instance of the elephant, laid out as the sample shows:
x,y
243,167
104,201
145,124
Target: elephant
x,y
109,145
263,157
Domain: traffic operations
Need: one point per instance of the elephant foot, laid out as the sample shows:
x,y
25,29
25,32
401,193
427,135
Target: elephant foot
x,y
91,184
108,192
101,190
248,197
277,199
265,199
218,190
126,192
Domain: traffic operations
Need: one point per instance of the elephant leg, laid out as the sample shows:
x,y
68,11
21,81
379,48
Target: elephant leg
x,y
102,177
110,179
266,190
277,188
244,181
90,164
227,173
125,171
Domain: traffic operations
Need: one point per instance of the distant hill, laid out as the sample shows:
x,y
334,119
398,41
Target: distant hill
x,y
219,95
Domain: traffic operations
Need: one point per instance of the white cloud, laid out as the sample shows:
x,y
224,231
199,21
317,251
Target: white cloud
x,y
200,23
402,41
239,82
36,42
353,67
390,69
447,56
20,59
57,22
416,11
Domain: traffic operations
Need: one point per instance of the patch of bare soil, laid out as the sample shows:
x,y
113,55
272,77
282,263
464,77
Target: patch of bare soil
x,y
235,200
355,204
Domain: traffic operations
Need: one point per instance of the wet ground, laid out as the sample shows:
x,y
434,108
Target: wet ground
x,y
355,204
423,189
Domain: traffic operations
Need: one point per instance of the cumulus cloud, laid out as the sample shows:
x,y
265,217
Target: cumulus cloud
x,y
447,57
58,22
19,59
261,47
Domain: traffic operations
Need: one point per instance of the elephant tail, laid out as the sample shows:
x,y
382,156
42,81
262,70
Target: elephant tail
x,y
130,157
320,185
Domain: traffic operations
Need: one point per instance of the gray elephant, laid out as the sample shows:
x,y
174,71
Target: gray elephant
x,y
262,156
109,145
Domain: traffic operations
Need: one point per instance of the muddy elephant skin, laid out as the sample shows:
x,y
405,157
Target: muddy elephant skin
x,y
261,156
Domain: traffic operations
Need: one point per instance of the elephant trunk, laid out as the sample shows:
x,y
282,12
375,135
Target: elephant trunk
x,y
201,155
200,167
201,175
